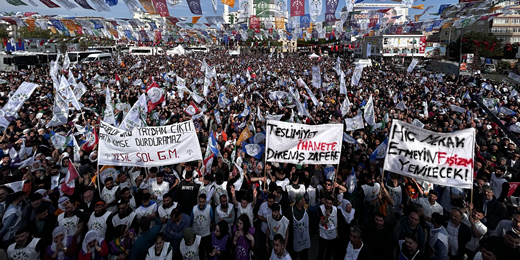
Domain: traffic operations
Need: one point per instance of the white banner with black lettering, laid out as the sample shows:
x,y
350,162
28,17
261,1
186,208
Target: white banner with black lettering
x,y
148,146
303,144
439,158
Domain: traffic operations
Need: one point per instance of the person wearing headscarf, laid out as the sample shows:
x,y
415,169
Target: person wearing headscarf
x,y
161,250
220,241
93,247
63,247
121,245
189,246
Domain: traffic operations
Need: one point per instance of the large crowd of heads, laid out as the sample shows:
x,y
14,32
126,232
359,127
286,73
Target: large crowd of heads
x,y
275,210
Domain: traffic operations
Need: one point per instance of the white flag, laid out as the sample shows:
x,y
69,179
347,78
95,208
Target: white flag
x,y
342,85
60,113
16,101
369,112
354,123
108,115
133,118
345,107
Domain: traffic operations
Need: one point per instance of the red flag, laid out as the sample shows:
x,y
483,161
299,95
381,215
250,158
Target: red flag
x,y
492,46
155,94
19,42
512,188
117,77
68,184
92,141
5,42
208,162
192,109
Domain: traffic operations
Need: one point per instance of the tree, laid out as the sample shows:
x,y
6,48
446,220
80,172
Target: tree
x,y
3,32
469,45
36,33
510,51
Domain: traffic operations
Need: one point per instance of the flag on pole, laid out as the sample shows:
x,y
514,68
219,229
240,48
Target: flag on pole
x,y
68,184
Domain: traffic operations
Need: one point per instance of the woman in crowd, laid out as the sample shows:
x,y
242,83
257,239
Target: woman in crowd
x,y
93,247
243,238
220,241
121,245
63,247
161,250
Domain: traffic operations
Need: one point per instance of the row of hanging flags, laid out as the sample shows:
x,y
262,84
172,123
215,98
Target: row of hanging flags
x,y
299,24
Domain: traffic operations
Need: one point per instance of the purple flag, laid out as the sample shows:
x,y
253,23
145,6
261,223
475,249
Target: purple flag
x,y
330,6
330,18
195,7
84,4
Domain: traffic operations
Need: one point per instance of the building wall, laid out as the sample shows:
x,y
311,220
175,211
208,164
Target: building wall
x,y
507,28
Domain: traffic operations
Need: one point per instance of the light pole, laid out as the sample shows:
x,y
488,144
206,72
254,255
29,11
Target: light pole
x,y
460,51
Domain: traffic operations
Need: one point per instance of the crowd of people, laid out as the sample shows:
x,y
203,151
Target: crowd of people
x,y
277,210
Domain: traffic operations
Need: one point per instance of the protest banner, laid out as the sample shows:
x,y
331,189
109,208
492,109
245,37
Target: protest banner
x,y
303,144
439,158
148,146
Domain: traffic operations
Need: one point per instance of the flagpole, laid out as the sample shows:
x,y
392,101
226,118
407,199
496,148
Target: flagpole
x,y
97,178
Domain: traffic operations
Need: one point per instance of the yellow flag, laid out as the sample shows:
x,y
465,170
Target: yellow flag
x,y
195,19
148,5
279,23
446,25
30,24
246,134
417,17
418,7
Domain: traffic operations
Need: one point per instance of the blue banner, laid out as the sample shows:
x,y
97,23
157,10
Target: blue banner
x,y
97,24
111,2
305,21
58,24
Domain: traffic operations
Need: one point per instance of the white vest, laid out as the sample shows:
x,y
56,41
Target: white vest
x,y
166,213
330,231
98,223
116,221
224,214
277,227
26,253
311,191
71,223
219,190
190,252
371,192
301,237
159,190
292,192
201,221
166,252
109,196
248,211
397,195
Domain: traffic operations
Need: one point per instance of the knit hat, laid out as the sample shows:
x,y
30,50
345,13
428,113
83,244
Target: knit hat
x,y
188,234
299,197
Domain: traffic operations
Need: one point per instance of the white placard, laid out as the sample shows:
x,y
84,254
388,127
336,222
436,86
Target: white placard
x,y
148,146
303,144
439,158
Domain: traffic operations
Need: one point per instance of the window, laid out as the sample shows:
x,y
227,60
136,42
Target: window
x,y
515,29
515,20
514,39
480,30
446,33
504,39
501,21
481,22
499,30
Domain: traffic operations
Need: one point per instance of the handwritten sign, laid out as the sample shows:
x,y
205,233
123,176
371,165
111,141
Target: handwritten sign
x,y
303,144
439,158
148,146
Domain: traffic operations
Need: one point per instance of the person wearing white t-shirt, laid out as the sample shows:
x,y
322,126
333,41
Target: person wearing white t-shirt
x,y
478,229
279,252
430,205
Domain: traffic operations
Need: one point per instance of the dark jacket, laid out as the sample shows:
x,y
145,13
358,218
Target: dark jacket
x,y
495,211
463,237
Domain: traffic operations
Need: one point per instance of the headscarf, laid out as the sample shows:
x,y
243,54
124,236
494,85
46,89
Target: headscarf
x,y
89,237
224,227
54,246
